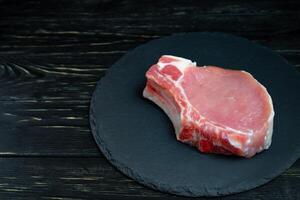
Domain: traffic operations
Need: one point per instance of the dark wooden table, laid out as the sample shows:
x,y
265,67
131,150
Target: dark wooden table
x,y
53,53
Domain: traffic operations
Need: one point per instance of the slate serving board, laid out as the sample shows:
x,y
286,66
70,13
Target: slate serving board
x,y
138,138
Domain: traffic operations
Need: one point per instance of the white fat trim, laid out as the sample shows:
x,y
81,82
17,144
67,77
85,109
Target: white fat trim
x,y
268,137
234,142
178,58
173,117
180,63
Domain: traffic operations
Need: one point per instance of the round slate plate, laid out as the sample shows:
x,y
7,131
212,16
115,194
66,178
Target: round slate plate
x,y
138,138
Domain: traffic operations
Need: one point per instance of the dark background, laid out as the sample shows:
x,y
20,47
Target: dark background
x,y
52,54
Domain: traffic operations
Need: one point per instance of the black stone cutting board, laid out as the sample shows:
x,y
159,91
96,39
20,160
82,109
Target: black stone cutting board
x,y
138,138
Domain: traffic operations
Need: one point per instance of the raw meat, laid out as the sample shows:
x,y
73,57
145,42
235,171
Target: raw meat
x,y
217,110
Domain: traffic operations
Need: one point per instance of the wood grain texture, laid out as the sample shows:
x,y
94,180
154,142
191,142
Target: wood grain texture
x,y
52,53
89,178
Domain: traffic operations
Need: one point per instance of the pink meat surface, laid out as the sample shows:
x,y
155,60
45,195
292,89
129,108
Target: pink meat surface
x,y
214,109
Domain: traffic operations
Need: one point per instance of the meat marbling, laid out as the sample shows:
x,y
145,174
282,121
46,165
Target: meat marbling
x,y
214,109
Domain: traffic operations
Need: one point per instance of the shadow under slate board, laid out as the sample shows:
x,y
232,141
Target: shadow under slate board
x,y
138,138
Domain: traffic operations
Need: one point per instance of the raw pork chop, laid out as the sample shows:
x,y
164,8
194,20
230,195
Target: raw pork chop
x,y
217,110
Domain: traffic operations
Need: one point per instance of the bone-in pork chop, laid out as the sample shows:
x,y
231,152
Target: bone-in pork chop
x,y
214,109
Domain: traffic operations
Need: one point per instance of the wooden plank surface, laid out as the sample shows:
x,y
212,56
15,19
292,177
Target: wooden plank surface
x,y
78,178
53,52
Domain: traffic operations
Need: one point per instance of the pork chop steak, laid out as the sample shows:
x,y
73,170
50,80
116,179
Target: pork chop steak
x,y
214,109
